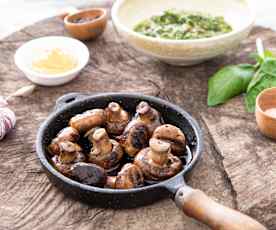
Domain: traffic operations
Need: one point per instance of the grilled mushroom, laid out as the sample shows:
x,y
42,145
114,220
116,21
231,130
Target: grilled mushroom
x,y
105,152
70,153
134,138
87,120
66,134
172,135
90,174
156,162
148,115
110,182
130,176
116,119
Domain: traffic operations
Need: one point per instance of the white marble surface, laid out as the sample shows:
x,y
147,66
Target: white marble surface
x,y
15,14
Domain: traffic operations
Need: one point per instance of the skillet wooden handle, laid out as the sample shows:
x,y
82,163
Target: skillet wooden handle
x,y
198,205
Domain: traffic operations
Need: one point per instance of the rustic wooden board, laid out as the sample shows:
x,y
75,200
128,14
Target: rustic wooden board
x,y
29,201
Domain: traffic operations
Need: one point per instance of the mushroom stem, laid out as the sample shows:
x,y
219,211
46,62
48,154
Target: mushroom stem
x,y
105,152
101,141
148,115
116,118
159,151
145,111
114,108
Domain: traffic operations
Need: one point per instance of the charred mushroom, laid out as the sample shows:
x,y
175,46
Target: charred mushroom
x,y
156,162
130,176
148,115
66,134
90,174
105,152
134,138
116,119
172,135
110,182
70,153
87,120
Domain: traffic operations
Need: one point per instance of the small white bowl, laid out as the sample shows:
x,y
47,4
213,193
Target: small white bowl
x,y
31,50
238,13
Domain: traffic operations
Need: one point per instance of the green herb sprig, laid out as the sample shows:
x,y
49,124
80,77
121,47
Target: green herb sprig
x,y
250,79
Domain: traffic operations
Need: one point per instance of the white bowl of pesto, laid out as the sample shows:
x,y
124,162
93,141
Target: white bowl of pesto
x,y
183,32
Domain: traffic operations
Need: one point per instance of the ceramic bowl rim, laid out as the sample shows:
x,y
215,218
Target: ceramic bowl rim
x,y
258,107
118,3
103,16
81,63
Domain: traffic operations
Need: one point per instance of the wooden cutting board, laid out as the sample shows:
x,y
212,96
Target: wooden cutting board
x,y
238,167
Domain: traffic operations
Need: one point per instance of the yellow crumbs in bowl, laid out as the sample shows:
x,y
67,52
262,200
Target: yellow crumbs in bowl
x,y
55,62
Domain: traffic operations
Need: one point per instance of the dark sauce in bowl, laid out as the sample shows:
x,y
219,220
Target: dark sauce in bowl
x,y
84,19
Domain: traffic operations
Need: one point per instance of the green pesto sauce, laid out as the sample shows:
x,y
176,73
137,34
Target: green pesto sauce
x,y
182,25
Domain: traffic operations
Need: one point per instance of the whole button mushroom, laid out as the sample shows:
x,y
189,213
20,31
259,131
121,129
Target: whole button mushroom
x,y
156,162
148,115
70,153
88,120
90,174
134,138
66,134
105,152
172,135
116,119
130,176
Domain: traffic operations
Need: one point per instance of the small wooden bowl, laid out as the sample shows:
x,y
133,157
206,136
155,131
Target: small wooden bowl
x,y
86,30
266,123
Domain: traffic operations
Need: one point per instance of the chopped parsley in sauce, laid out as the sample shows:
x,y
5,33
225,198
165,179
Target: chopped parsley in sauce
x,y
183,25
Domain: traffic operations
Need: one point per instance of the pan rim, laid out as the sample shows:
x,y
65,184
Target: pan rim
x,y
41,153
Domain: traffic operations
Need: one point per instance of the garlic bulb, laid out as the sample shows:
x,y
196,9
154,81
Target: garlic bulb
x,y
7,118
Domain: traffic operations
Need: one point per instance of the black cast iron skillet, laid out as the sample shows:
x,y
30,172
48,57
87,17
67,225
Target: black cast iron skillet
x,y
193,202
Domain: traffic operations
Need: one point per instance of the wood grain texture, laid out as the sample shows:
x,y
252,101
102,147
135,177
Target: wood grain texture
x,y
29,201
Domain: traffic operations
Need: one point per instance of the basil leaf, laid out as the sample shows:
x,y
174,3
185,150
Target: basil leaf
x,y
229,82
267,81
259,59
269,66
255,80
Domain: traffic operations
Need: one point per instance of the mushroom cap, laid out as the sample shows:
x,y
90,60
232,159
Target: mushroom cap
x,y
88,120
90,174
66,134
134,138
68,151
64,162
65,169
130,176
110,182
154,171
172,135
